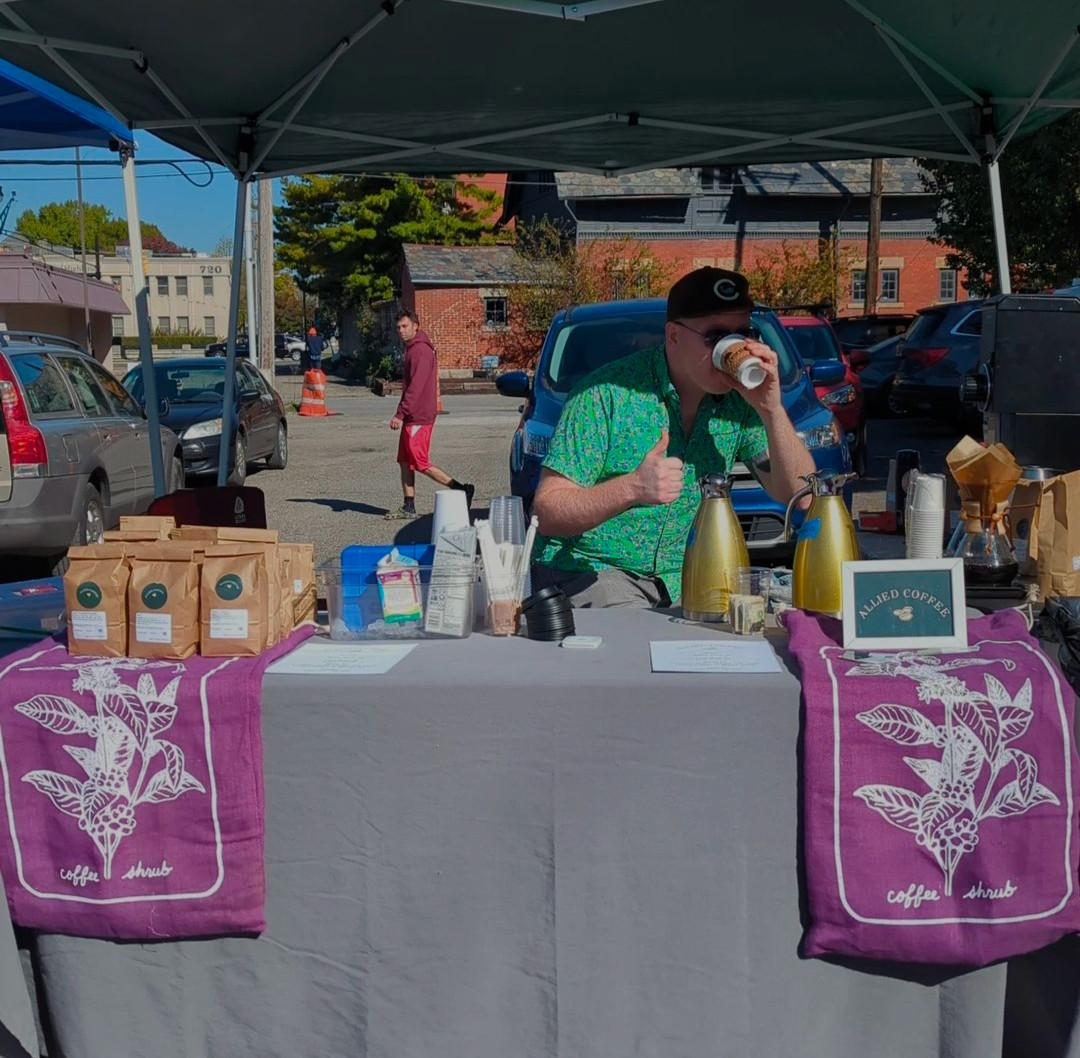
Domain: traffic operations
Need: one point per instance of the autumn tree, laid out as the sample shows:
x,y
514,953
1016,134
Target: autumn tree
x,y
556,272
798,273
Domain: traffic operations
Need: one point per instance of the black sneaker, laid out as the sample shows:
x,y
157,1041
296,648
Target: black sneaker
x,y
402,514
468,490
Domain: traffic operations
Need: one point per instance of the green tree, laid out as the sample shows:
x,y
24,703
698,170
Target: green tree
x,y
57,224
1040,179
341,236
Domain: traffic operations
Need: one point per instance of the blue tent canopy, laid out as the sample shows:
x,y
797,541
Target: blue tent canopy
x,y
36,115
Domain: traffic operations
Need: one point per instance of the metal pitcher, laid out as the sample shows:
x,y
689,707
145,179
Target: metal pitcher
x,y
715,552
826,541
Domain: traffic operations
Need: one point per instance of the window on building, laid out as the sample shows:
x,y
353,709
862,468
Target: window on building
x,y
118,325
717,177
163,286
183,325
858,286
181,286
163,326
643,283
209,326
208,286
946,284
890,284
495,312
618,286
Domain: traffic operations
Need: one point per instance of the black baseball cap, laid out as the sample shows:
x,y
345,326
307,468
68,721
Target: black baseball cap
x,y
706,291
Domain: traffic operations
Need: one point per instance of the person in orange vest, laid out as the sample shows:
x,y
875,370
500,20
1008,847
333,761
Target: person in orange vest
x,y
315,346
415,417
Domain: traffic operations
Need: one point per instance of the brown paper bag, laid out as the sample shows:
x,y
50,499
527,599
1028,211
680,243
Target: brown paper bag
x,y
133,536
160,524
163,601
1024,525
280,582
305,594
95,590
236,616
1059,561
206,534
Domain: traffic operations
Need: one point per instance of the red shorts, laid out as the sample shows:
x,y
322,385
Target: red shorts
x,y
414,446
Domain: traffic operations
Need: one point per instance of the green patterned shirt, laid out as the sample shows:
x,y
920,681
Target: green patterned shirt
x,y
610,422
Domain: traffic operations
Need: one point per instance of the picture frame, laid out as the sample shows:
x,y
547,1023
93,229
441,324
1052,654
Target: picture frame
x,y
907,604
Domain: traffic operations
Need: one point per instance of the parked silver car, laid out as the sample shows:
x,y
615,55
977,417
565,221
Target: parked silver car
x,y
74,448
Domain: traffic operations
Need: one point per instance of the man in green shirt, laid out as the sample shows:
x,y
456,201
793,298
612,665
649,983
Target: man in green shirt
x,y
619,487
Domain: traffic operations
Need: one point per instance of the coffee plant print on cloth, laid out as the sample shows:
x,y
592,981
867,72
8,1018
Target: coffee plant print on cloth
x,y
975,773
124,759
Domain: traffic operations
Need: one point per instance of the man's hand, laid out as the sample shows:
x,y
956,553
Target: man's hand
x,y
395,423
659,477
765,399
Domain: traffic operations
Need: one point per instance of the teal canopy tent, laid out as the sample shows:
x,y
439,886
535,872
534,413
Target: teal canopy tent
x,y
603,86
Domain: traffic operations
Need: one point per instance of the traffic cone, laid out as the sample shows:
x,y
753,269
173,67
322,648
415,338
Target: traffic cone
x,y
313,395
439,409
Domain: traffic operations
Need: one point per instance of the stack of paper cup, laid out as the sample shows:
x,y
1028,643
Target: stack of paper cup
x,y
925,525
451,512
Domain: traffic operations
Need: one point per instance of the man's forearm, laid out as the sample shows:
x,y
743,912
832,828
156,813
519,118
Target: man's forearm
x,y
789,458
568,509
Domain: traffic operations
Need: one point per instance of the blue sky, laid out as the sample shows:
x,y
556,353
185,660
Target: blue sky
x,y
189,215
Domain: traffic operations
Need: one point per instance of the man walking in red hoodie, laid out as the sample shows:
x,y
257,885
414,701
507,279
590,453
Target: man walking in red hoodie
x,y
415,417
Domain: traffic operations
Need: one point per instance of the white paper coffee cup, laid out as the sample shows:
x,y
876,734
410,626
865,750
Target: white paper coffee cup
x,y
730,356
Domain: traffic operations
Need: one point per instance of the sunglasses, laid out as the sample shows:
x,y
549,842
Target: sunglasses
x,y
713,336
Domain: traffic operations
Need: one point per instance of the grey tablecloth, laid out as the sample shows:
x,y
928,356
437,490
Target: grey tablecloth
x,y
504,849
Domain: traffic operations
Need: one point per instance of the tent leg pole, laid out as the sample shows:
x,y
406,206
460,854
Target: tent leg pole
x,y
142,321
1000,246
249,275
228,399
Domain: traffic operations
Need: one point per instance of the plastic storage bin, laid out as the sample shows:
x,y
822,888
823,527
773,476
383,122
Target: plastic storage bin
x,y
354,603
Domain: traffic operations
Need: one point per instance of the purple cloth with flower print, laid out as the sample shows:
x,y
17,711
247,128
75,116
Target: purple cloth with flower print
x,y
133,793
940,797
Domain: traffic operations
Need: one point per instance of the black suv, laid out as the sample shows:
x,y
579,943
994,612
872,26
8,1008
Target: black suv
x,y
939,349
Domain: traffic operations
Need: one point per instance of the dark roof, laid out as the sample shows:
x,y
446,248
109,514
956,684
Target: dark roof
x,y
461,265
901,177
654,183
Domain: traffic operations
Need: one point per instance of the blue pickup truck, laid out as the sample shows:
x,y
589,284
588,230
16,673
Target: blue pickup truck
x,y
582,339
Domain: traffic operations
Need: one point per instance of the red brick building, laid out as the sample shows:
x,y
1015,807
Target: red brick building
x,y
732,217
460,295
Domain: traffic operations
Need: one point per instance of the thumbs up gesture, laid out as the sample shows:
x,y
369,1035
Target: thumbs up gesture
x,y
659,477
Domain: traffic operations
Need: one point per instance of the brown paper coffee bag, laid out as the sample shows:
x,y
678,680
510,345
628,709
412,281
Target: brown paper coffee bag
x,y
1024,525
133,536
280,582
163,601
160,524
236,617
95,590
303,582
205,534
1059,562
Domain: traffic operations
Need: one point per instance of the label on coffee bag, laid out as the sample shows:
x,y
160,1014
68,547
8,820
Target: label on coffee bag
x,y
228,624
89,624
153,628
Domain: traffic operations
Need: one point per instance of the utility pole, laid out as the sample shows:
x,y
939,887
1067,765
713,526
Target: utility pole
x,y
873,237
265,272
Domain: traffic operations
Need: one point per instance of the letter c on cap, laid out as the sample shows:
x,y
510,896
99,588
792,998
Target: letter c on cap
x,y
726,290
